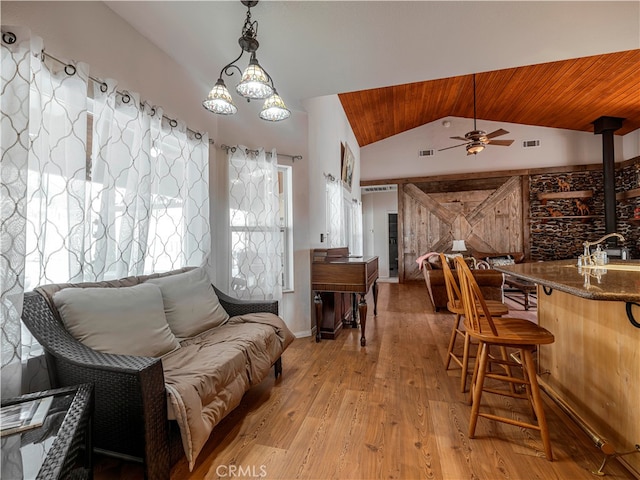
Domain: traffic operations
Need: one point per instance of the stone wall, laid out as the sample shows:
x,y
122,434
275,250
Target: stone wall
x,y
558,226
628,178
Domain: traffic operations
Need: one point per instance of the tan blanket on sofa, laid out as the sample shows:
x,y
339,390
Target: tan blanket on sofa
x,y
207,377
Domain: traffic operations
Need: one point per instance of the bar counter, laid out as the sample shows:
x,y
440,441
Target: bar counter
x,y
617,281
592,369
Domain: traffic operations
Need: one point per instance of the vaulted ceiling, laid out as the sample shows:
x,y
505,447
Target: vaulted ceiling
x,y
397,65
568,94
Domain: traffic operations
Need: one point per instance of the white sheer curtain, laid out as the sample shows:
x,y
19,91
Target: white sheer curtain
x,y
256,244
335,221
138,203
43,174
356,244
17,65
149,201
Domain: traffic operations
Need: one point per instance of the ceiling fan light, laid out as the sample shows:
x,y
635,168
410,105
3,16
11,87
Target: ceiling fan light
x,y
255,81
219,100
274,109
474,148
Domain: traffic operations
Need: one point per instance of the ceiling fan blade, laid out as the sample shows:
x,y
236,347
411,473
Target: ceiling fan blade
x,y
455,146
460,138
497,133
500,143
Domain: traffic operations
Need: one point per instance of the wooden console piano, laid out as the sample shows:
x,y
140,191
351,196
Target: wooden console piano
x,y
333,270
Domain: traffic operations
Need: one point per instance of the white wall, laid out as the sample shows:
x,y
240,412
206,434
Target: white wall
x,y
328,128
631,145
375,225
92,33
397,156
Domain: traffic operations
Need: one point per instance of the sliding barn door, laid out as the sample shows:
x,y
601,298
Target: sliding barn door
x,y
488,220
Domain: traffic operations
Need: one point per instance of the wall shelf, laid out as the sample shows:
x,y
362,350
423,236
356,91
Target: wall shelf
x,y
582,218
633,193
564,195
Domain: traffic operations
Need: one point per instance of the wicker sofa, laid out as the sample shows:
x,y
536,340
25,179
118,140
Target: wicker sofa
x,y
490,281
132,411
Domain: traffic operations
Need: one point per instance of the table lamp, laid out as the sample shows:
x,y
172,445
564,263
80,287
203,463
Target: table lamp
x,y
458,246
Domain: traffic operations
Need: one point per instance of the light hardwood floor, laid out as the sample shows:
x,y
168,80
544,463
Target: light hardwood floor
x,y
385,411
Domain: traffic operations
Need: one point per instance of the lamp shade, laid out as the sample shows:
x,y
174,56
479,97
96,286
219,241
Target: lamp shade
x,y
459,246
219,100
475,147
255,82
274,109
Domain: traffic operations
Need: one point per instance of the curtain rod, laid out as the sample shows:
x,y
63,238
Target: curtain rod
x,y
70,70
293,158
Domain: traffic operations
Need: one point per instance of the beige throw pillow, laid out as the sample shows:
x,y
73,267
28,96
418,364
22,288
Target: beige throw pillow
x,y
190,303
123,320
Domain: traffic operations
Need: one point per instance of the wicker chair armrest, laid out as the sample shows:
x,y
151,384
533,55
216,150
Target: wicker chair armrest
x,y
235,306
130,397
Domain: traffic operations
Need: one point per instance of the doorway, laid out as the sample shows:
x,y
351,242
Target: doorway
x,y
393,244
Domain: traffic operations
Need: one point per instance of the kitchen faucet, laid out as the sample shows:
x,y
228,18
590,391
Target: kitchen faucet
x,y
587,258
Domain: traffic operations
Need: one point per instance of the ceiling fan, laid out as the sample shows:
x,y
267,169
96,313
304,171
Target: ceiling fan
x,y
476,140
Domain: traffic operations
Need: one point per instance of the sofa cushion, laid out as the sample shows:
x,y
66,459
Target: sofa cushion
x,y
502,260
125,320
518,257
190,303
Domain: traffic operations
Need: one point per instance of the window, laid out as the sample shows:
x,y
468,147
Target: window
x,y
248,238
285,188
260,211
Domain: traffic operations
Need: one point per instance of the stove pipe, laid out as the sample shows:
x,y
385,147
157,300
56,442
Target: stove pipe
x,y
605,126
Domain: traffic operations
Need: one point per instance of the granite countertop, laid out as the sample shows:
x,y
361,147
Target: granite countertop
x,y
616,281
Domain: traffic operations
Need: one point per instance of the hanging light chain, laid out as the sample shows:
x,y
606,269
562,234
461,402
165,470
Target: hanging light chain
x,y
250,29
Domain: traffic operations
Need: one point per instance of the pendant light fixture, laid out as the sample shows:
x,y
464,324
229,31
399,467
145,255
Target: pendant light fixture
x,y
255,82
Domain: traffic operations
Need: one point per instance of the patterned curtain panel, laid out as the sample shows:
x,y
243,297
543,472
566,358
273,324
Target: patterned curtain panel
x,y
17,65
256,245
335,220
149,201
356,245
43,173
128,195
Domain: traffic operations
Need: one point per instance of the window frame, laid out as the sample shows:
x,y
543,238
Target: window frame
x,y
285,226
285,193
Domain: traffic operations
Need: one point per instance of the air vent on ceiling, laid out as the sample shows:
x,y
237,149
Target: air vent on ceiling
x,y
379,188
531,143
426,153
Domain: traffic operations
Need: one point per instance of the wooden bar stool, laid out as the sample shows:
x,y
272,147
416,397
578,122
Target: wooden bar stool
x,y
454,305
503,332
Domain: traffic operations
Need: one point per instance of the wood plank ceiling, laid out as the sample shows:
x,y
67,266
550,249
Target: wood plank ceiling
x,y
568,94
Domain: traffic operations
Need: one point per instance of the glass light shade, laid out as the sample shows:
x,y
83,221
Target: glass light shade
x,y
219,100
274,109
255,82
474,148
459,246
